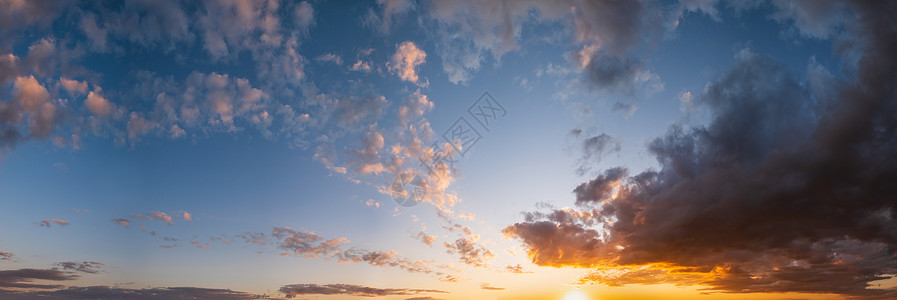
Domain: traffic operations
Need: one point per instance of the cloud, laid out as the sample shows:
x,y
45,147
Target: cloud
x,y
6,255
48,222
98,105
372,203
470,252
311,245
23,15
73,87
516,269
90,267
468,31
31,114
330,58
593,149
361,66
161,216
304,15
609,73
187,217
199,245
306,244
294,290
486,286
122,222
423,237
816,19
405,61
23,278
626,109
106,292
783,190
416,106
391,10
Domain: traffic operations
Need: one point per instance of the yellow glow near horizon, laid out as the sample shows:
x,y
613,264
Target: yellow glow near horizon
x,y
576,295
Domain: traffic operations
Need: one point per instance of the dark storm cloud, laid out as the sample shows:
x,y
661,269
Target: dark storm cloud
x,y
786,189
294,290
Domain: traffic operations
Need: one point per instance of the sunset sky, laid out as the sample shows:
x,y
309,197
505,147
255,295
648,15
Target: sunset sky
x,y
399,149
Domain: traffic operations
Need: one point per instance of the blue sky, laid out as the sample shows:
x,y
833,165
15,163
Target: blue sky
x,y
255,146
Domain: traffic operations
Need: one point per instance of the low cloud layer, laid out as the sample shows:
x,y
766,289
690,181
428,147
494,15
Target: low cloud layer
x,y
294,290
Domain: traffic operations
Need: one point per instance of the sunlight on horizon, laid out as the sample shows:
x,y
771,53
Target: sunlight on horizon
x,y
576,294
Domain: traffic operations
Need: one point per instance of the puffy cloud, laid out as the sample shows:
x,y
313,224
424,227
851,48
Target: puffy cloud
x,y
73,87
470,252
161,216
405,61
785,189
625,76
304,15
306,244
372,203
31,114
48,222
417,105
294,290
423,237
361,66
17,15
466,247
98,105
817,19
390,10
186,216
139,126
367,158
468,30
90,267
8,67
330,58
229,26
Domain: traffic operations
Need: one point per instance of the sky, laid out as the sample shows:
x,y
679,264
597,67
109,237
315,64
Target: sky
x,y
399,149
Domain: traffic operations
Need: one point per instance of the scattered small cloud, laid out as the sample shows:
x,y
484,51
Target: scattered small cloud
x,y
48,222
90,267
122,222
486,286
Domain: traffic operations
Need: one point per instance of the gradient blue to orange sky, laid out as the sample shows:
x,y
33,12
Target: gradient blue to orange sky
x,y
400,149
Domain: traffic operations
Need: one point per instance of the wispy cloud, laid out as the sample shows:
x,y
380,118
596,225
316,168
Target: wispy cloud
x,y
48,222
294,290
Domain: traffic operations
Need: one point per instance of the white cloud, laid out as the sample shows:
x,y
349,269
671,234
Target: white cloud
x,y
405,61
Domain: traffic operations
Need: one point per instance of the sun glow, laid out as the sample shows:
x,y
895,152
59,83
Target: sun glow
x,y
576,295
